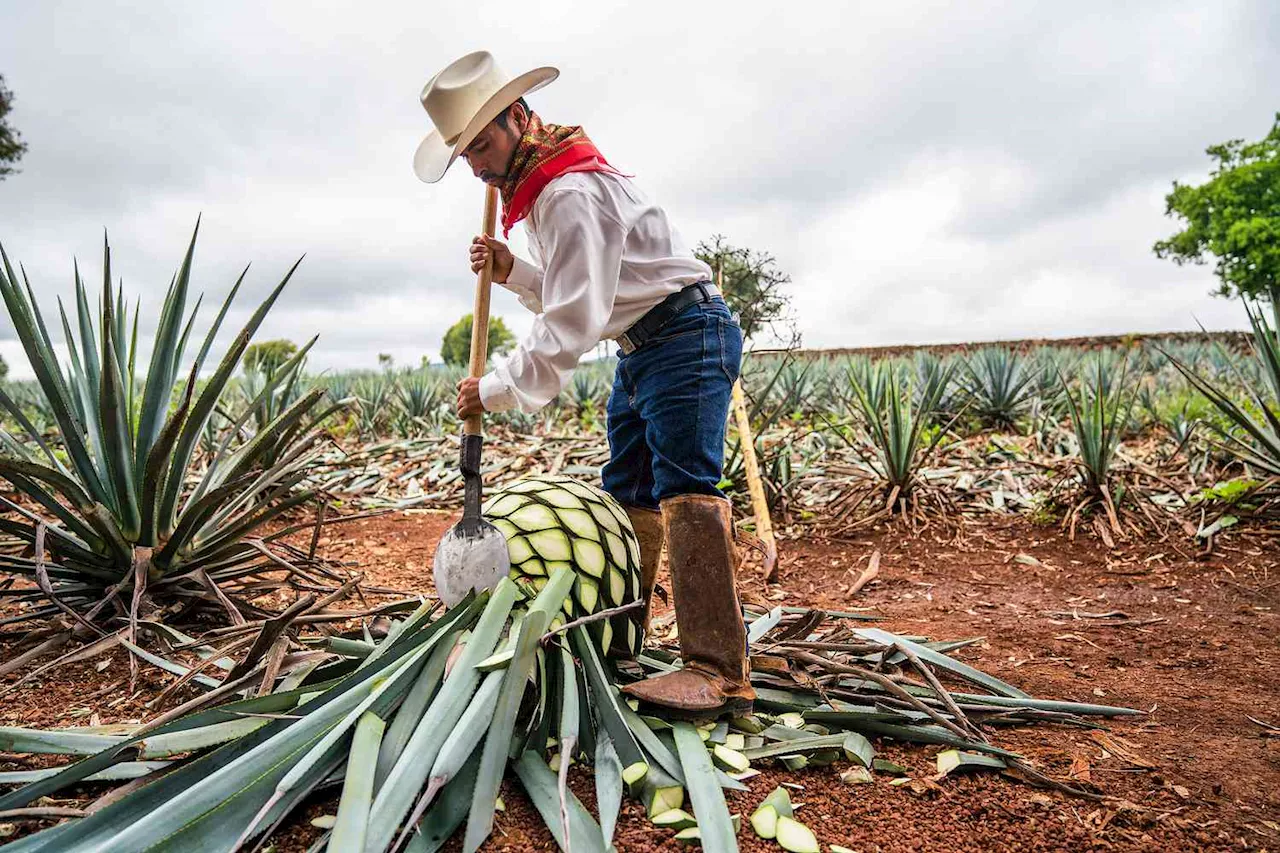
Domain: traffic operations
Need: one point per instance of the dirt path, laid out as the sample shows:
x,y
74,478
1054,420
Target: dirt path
x,y
1194,641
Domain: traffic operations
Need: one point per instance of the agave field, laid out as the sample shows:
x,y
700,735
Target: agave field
x,y
293,684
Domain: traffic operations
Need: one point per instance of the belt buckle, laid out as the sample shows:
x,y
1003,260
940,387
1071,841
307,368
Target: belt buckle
x,y
624,343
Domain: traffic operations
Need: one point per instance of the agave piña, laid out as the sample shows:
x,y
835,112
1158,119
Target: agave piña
x,y
554,521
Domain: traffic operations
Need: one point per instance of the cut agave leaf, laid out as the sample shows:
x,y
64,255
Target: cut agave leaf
x,y
858,748
941,661
729,759
447,813
884,765
693,835
604,697
764,820
797,746
796,837
676,819
953,760
714,824
541,786
352,820
498,739
660,792
397,794
496,661
119,772
689,836
55,741
608,786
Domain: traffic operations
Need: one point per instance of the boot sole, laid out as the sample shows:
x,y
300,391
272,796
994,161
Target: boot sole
x,y
730,708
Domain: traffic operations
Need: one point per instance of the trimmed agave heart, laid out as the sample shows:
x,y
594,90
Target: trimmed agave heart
x,y
552,521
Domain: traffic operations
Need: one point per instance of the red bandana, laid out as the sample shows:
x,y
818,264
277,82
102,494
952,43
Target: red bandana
x,y
545,152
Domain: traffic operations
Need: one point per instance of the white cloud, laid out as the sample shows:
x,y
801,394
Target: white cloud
x,y
924,170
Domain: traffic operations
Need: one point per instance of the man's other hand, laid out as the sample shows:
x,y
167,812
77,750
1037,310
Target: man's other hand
x,y
482,248
469,398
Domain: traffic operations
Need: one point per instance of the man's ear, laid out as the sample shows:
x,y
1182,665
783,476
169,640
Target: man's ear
x,y
519,116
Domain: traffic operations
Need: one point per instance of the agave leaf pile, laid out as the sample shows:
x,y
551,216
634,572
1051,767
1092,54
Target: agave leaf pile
x,y
415,732
125,501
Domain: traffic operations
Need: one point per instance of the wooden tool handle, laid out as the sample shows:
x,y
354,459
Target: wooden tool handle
x,y
480,316
755,484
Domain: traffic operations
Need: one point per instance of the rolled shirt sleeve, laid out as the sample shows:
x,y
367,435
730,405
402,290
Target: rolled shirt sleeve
x,y
582,256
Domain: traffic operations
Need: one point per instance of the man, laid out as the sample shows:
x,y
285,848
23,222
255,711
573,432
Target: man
x,y
611,266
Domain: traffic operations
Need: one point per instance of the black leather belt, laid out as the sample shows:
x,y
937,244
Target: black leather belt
x,y
663,313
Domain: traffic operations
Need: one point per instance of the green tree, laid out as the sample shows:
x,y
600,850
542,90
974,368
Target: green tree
x,y
456,348
11,145
753,286
1234,216
4,368
267,357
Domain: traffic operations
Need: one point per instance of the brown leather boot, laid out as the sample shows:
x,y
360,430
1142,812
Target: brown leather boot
x,y
714,681
647,524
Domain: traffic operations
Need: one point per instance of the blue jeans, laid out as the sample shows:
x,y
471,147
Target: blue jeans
x,y
669,406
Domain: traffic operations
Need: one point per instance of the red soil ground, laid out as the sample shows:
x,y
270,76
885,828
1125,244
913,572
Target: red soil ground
x,y
1194,641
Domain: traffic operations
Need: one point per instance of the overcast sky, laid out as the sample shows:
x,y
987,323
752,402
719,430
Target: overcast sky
x,y
926,172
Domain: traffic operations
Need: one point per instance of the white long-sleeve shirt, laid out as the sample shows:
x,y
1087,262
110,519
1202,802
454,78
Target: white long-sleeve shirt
x,y
604,255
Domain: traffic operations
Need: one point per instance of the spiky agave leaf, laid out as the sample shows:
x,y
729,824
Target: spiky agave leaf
x,y
900,426
1256,436
1098,419
998,385
129,444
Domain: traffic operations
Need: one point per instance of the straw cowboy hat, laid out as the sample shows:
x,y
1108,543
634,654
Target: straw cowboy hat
x,y
461,100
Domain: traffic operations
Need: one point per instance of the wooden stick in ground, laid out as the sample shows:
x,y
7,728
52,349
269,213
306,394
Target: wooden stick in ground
x,y
755,486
